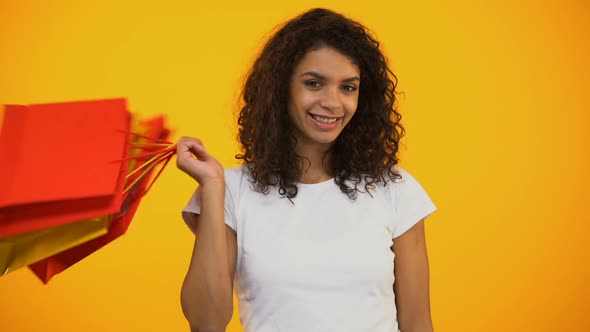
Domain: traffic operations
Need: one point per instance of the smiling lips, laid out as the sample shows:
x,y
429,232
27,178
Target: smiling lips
x,y
324,122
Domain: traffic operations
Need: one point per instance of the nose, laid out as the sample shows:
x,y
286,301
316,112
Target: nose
x,y
330,98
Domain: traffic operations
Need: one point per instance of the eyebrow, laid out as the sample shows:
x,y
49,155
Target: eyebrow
x,y
323,78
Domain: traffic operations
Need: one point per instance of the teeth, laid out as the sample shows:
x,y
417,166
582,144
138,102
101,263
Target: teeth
x,y
324,120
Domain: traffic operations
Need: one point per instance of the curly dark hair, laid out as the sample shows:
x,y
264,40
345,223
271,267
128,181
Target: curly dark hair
x,y
367,146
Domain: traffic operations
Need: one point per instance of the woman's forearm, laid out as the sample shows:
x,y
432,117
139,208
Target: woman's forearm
x,y
207,292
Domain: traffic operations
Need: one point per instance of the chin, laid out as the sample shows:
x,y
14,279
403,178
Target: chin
x,y
324,139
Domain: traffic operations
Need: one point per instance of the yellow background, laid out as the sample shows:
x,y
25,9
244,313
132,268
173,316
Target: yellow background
x,y
496,117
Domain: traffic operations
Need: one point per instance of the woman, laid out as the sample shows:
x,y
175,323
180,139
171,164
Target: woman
x,y
309,227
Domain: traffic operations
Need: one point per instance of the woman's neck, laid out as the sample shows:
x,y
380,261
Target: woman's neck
x,y
315,164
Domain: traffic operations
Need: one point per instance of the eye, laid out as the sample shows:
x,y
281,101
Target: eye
x,y
349,87
312,84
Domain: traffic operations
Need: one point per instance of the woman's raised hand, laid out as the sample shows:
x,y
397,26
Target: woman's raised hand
x,y
193,159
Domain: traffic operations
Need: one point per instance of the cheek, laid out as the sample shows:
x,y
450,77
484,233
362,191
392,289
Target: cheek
x,y
294,102
305,100
291,113
292,105
351,106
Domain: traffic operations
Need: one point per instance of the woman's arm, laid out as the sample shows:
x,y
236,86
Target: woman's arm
x,y
412,294
207,292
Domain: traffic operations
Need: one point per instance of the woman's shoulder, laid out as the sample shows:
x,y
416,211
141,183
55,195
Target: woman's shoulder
x,y
233,173
233,170
393,175
400,180
401,174
406,184
236,177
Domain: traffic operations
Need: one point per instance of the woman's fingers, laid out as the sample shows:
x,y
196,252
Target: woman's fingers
x,y
189,147
193,159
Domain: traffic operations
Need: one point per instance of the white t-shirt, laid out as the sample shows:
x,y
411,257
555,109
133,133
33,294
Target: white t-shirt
x,y
323,264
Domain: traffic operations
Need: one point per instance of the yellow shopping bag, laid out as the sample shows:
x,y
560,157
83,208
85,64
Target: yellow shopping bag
x,y
25,249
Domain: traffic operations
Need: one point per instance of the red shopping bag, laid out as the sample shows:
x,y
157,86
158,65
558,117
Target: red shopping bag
x,y
61,163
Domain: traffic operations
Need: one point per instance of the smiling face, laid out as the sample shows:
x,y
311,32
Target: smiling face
x,y
323,96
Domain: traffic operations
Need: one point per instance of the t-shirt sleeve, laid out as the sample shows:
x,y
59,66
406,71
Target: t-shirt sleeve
x,y
194,206
411,203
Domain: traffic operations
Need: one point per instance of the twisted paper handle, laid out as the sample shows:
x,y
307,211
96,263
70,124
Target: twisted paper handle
x,y
158,153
